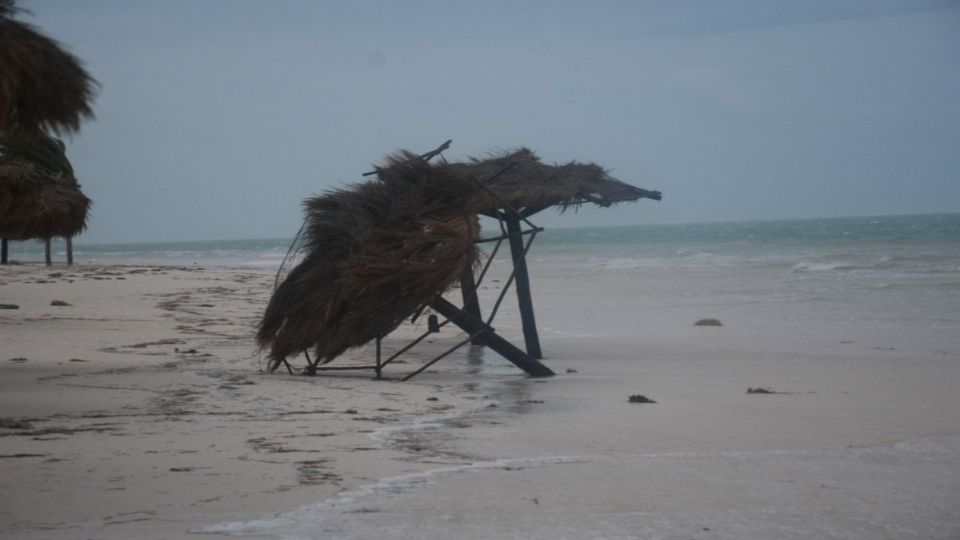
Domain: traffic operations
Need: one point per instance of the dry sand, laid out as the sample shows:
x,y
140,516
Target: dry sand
x,y
140,412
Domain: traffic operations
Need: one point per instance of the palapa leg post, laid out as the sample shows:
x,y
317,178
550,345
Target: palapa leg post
x,y
69,250
312,365
530,337
471,304
4,251
47,256
488,337
379,367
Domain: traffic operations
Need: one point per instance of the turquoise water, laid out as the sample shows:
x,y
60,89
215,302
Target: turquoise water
x,y
254,252
919,240
891,244
929,228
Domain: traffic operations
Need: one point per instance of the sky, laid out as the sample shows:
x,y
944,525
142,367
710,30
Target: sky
x,y
216,118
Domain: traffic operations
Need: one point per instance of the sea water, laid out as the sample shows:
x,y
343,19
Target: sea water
x,y
902,270
255,253
853,246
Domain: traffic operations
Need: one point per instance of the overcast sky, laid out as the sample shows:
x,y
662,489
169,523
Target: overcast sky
x,y
217,117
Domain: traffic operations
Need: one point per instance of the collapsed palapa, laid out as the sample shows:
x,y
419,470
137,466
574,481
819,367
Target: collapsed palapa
x,y
378,252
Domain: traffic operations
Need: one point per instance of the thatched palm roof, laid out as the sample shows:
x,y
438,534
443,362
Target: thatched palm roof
x,y
521,180
36,204
375,254
39,196
41,85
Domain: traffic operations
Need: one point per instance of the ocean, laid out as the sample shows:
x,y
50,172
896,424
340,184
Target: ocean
x,y
901,269
927,243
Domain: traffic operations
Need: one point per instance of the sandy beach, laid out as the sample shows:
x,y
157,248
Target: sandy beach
x,y
139,411
655,270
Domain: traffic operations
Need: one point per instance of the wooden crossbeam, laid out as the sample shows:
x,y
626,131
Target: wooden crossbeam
x,y
483,333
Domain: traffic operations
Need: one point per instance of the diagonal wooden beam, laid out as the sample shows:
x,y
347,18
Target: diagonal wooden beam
x,y
488,337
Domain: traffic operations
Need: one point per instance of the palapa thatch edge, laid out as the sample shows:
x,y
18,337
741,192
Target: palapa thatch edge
x,y
39,194
35,204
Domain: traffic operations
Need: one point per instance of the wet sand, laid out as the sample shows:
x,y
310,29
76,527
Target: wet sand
x,y
166,426
830,454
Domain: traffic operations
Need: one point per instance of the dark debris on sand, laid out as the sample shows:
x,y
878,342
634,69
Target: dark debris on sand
x,y
13,423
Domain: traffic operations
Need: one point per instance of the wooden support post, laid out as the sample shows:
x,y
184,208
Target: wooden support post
x,y
69,250
47,257
471,304
524,300
379,368
488,337
4,251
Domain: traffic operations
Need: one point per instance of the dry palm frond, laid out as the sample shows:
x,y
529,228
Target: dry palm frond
x,y
529,183
42,87
7,8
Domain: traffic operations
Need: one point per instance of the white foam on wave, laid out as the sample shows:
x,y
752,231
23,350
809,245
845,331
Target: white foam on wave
x,y
808,266
901,264
393,436
311,520
687,259
905,490
851,263
623,263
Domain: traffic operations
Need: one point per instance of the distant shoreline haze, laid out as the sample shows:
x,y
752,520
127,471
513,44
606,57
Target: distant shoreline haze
x,y
550,231
736,241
